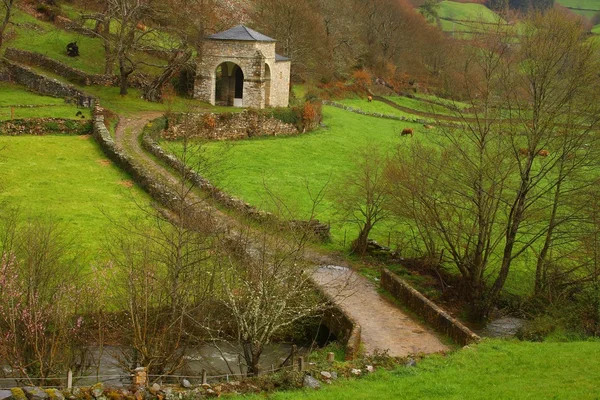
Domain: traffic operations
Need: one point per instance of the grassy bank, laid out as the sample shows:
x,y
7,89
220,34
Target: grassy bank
x,y
69,180
490,370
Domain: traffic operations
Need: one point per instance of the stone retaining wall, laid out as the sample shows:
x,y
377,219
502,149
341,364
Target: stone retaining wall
x,y
44,85
345,329
321,231
159,192
45,126
426,309
378,115
72,74
231,126
4,75
136,80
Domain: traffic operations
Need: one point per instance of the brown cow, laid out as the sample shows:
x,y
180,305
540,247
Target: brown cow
x,y
369,98
543,153
141,27
407,131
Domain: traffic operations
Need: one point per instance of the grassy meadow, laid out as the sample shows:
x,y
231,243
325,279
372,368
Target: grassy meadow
x,y
67,179
464,17
295,168
375,107
27,104
493,369
587,8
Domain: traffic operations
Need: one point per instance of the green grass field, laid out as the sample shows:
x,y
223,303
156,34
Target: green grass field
x,y
43,106
29,33
491,370
375,107
587,8
464,17
287,165
42,37
69,180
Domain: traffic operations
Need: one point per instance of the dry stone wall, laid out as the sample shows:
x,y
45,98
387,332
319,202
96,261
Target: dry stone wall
x,y
231,126
44,126
426,309
321,231
161,193
44,85
74,75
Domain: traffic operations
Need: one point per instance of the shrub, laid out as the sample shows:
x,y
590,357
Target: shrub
x,y
209,121
362,78
287,115
311,116
52,126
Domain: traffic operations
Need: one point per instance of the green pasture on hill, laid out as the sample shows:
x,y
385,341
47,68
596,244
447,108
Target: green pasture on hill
x,y
465,17
294,169
375,107
587,8
67,179
36,106
493,369
291,167
31,34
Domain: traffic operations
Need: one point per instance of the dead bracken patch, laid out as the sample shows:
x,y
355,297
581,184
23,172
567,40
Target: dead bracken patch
x,y
127,183
105,163
85,137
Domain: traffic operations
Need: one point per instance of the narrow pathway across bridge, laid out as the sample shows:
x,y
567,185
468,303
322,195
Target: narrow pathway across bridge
x,y
384,326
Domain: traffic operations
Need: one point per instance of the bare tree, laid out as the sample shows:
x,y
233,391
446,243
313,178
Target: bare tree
x,y
362,195
8,7
266,285
482,192
167,269
39,301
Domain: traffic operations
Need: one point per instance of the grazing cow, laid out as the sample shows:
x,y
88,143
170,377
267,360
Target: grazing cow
x,y
369,98
407,131
140,27
543,153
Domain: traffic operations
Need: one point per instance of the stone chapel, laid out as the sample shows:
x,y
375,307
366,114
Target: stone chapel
x,y
239,68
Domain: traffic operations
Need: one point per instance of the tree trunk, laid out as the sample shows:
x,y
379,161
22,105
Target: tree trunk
x,y
541,268
252,355
124,77
514,222
108,56
4,24
153,92
359,246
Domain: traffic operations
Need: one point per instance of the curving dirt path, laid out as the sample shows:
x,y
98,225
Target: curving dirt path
x,y
383,325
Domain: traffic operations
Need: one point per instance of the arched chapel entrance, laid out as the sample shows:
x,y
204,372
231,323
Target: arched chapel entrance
x,y
229,85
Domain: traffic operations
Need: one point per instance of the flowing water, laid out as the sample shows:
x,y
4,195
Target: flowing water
x,y
221,359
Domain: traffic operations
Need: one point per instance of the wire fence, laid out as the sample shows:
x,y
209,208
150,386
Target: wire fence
x,y
139,377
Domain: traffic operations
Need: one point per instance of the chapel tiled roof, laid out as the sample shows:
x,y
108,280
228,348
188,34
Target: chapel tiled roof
x,y
241,32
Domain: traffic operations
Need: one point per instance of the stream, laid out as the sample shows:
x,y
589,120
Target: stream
x,y
214,358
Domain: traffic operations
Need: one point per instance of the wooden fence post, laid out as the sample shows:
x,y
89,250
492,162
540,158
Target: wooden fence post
x,y
301,364
204,381
70,379
330,357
